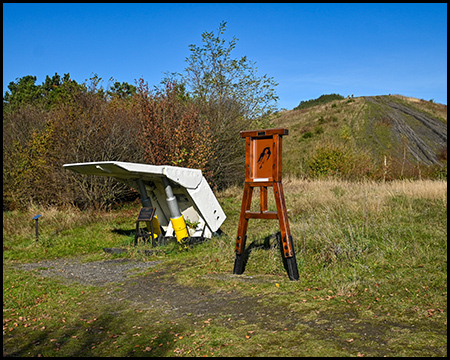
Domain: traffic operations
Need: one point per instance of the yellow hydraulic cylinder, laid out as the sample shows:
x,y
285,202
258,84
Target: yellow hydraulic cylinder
x,y
179,226
176,218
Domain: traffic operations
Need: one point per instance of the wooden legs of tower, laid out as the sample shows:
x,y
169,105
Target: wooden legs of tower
x,y
281,214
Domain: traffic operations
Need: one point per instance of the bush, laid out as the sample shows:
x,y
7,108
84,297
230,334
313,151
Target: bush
x,y
80,126
319,130
336,161
172,131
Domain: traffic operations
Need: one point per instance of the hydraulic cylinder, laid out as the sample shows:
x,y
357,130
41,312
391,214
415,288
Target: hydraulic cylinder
x,y
176,218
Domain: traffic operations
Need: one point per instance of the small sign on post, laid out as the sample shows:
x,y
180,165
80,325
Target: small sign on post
x,y
146,214
37,226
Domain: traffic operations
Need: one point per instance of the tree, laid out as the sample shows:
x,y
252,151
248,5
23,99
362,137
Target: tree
x,y
52,91
172,132
57,90
213,75
77,124
122,90
231,96
22,91
90,128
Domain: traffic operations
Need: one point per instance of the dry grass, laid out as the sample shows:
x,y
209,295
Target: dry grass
x,y
327,191
310,116
371,257
302,195
58,219
334,219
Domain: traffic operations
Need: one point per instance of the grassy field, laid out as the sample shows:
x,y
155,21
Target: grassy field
x,y
372,259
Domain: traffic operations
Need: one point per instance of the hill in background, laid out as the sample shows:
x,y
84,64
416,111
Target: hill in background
x,y
380,137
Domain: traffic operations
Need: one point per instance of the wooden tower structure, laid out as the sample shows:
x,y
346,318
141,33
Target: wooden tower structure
x,y
263,150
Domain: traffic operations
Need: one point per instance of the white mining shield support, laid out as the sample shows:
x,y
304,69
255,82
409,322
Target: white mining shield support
x,y
195,199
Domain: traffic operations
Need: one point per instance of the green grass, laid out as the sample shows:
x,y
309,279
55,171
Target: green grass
x,y
372,259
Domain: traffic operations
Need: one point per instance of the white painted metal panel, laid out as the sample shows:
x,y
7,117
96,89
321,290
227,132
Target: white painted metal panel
x,y
194,196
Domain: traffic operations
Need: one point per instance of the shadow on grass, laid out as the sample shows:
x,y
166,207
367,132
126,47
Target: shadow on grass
x,y
106,334
269,242
131,232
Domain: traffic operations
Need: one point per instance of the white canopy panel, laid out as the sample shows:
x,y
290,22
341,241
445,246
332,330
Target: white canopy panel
x,y
194,196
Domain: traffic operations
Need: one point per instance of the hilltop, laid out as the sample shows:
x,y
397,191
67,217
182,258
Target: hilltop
x,y
387,136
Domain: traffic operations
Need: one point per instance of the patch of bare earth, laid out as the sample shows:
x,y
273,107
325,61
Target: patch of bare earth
x,y
423,140
229,308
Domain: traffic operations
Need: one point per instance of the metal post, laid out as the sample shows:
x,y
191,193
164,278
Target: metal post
x,y
171,200
36,218
145,200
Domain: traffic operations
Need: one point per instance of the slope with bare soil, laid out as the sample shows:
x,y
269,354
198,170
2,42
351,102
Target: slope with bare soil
x,y
423,134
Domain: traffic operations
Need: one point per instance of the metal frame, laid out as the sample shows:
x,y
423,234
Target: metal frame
x,y
146,214
165,188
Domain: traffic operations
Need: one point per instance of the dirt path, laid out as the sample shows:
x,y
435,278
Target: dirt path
x,y
424,140
228,308
160,289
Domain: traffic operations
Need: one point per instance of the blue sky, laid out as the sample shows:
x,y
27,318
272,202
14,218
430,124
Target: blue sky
x,y
309,49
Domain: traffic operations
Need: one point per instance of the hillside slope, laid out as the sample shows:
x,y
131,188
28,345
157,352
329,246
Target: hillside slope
x,y
425,134
391,136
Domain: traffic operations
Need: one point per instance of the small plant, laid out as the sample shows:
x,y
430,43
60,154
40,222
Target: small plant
x,y
333,118
442,154
345,132
191,224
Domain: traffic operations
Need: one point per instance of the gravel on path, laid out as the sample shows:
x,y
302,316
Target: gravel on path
x,y
91,273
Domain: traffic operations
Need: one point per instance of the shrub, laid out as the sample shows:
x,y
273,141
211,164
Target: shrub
x,y
173,133
319,130
337,161
442,154
81,126
327,161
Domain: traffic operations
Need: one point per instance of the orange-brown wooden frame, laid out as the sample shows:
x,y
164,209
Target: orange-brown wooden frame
x,y
263,169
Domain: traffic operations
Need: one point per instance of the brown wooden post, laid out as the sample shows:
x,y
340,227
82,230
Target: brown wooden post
x,y
263,169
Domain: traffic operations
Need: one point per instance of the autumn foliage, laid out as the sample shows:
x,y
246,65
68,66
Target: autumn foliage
x,y
192,121
84,123
172,131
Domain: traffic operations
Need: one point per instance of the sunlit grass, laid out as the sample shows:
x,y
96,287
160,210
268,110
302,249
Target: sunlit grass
x,y
376,251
